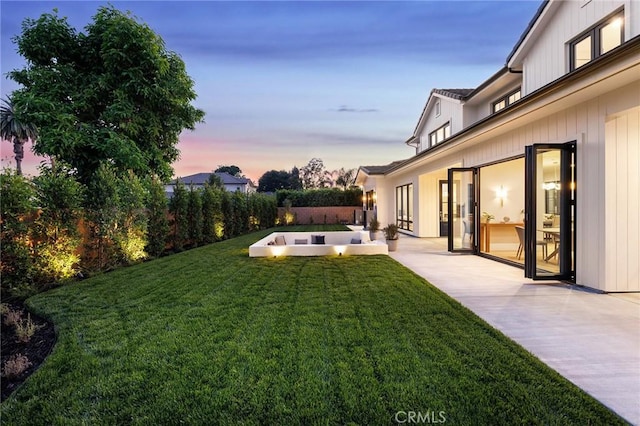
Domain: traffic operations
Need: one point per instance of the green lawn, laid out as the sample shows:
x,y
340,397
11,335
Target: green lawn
x,y
211,336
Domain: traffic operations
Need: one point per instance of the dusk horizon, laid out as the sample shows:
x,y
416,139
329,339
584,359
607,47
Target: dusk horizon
x,y
284,82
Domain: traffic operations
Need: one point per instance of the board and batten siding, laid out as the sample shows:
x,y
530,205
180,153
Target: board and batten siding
x,y
622,215
548,58
585,123
450,111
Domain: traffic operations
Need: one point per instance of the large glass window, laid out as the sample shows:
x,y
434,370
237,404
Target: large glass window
x,y
597,41
404,207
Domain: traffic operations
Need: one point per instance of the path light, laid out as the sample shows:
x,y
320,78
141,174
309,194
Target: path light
x,y
277,251
339,249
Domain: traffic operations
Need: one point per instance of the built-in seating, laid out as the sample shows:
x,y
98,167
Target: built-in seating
x,y
317,244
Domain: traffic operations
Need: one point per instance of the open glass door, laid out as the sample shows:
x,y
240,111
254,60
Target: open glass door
x,y
462,209
550,211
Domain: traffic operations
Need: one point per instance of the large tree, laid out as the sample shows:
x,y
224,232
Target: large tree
x,y
111,95
345,178
313,175
15,130
273,180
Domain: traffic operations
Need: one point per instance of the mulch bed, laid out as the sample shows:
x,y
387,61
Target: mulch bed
x,y
36,350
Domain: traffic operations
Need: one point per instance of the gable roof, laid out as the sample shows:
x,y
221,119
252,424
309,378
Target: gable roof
x,y
531,28
380,170
458,94
201,178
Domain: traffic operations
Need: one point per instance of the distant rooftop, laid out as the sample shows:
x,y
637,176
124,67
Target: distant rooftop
x,y
201,178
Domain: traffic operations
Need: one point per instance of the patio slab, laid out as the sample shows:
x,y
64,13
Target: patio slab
x,y
591,339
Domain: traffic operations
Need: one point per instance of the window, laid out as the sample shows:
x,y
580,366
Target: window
x,y
404,207
599,40
506,100
437,108
369,200
439,135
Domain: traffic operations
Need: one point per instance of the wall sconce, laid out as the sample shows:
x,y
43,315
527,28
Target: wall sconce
x,y
501,194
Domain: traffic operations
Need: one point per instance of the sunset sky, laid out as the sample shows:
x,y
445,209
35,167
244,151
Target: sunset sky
x,y
283,82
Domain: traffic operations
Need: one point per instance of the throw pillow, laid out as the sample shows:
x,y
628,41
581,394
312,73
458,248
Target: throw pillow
x,y
301,241
280,241
356,241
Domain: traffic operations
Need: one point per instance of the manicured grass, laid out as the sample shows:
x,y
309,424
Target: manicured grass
x,y
211,336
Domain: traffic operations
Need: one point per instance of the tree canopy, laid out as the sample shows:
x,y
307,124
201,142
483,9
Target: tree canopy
x,y
112,95
274,180
13,129
313,175
232,170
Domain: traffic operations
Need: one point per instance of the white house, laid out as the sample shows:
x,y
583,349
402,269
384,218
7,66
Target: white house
x,y
547,149
231,183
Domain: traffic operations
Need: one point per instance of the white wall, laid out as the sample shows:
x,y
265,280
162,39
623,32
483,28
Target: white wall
x,y
548,58
450,111
622,200
509,176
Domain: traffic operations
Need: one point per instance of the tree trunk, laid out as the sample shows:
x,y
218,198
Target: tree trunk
x,y
18,150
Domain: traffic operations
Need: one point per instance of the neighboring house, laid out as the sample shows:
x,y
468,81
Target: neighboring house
x,y
231,183
550,143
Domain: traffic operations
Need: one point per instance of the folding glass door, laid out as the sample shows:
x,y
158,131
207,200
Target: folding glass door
x,y
550,211
462,209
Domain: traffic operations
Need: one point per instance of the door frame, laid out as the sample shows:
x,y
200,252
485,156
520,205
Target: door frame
x,y
568,213
442,182
473,211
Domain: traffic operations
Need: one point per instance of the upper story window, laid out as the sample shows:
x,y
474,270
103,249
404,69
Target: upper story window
x,y
507,100
437,108
439,135
597,41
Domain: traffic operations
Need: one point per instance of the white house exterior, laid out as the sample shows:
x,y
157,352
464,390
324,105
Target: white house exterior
x,y
550,143
197,181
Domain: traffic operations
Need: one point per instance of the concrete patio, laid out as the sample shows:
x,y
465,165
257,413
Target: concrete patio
x,y
591,339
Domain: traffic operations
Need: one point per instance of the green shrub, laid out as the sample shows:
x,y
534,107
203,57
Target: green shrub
x,y
226,207
326,197
212,220
131,234
16,262
179,207
194,215
57,237
102,211
157,222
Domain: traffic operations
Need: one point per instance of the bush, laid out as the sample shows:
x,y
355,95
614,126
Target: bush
x,y
179,207
102,211
59,196
157,222
131,233
212,220
195,220
326,197
16,262
15,366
